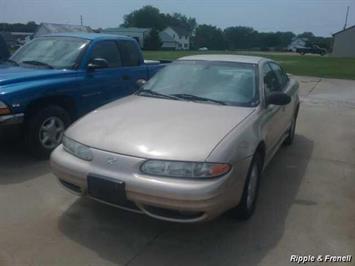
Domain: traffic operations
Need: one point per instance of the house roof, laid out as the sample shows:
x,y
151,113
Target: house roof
x,y
180,31
351,27
164,37
46,28
127,29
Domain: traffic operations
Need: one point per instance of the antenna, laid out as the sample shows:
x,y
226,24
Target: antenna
x,y
346,17
81,20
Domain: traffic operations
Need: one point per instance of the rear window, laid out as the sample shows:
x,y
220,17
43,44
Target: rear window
x,y
107,50
130,53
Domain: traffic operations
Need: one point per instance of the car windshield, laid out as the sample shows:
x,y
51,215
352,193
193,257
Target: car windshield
x,y
211,82
51,52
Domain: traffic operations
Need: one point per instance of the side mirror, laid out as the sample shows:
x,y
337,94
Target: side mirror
x,y
278,98
140,83
97,63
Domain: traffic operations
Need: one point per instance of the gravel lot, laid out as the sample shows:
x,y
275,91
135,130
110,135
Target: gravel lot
x,y
306,205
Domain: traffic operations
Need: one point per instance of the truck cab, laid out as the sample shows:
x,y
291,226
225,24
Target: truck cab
x,y
55,79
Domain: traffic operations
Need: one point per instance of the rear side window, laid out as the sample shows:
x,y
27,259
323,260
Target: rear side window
x,y
280,75
271,82
129,53
107,50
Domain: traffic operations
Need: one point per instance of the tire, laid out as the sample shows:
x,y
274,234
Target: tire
x,y
45,129
246,207
291,132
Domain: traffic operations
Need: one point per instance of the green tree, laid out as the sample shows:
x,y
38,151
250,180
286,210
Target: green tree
x,y
150,17
285,38
19,27
307,35
179,20
248,38
323,42
146,17
267,40
210,37
152,41
240,37
31,26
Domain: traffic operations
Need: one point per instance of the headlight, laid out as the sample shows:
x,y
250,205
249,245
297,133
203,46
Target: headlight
x,y
184,169
77,149
4,109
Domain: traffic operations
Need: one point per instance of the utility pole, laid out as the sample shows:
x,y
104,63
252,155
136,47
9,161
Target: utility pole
x,y
346,17
81,20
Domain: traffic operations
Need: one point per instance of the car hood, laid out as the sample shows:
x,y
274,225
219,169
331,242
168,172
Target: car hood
x,y
158,128
15,74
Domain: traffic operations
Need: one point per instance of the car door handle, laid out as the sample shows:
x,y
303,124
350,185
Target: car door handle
x,y
126,77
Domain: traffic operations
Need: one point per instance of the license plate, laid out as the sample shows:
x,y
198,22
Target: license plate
x,y
107,190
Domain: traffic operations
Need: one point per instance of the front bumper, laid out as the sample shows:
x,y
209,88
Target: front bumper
x,y
171,199
12,119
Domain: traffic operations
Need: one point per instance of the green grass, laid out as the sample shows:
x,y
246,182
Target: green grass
x,y
308,65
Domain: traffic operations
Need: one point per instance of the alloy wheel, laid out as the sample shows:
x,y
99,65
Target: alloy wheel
x,y
51,132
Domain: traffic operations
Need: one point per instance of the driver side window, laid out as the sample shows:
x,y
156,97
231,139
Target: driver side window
x,y
271,83
280,75
107,50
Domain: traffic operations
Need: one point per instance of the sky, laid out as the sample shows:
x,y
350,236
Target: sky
x,y
322,17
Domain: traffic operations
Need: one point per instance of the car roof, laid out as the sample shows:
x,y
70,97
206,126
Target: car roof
x,y
226,58
88,36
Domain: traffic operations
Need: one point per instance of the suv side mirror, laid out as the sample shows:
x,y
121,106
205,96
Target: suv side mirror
x,y
97,63
140,83
278,98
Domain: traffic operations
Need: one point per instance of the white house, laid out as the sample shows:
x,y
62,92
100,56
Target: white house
x,y
297,43
137,33
167,41
175,38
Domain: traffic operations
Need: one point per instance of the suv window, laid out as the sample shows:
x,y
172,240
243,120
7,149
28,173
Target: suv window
x,y
107,50
280,75
129,52
270,80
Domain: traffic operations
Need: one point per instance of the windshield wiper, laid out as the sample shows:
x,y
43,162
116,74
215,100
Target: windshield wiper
x,y
37,63
197,98
157,94
12,62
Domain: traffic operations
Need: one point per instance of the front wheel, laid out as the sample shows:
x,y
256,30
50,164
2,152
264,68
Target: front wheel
x,y
45,130
246,207
291,132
